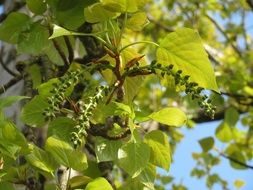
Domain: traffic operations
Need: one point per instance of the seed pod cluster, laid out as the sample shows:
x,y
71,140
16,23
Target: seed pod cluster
x,y
84,115
59,93
191,88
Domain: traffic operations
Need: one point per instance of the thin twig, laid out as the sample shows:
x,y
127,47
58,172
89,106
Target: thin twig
x,y
60,52
219,28
70,49
5,66
236,161
9,84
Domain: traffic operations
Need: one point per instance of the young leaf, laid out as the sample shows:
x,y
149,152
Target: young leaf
x,y
137,21
231,116
32,112
239,183
183,48
37,6
12,26
59,31
134,157
206,143
42,160
99,183
160,154
223,132
106,150
65,154
78,182
97,13
169,116
120,5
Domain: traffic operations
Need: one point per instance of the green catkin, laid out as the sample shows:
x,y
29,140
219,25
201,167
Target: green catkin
x,y
84,115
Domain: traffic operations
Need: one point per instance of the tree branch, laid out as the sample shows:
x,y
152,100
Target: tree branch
x,y
15,7
250,3
236,161
70,49
219,28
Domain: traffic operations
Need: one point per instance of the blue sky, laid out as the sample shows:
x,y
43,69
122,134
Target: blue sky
x,y
183,162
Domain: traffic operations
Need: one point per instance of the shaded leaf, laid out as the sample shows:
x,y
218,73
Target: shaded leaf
x,y
97,13
106,150
231,116
37,6
32,112
134,157
36,34
160,154
223,132
42,160
147,176
61,127
65,154
206,143
9,100
12,26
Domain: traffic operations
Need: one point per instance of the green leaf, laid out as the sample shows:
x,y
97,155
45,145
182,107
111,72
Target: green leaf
x,y
32,112
231,116
106,150
97,13
238,155
61,127
206,143
160,154
93,170
199,173
6,185
12,141
12,26
69,14
36,34
37,6
137,21
78,182
147,176
9,100
169,116
239,183
120,5
224,132
99,183
132,86
65,154
42,160
134,157
183,48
